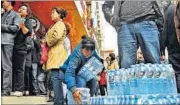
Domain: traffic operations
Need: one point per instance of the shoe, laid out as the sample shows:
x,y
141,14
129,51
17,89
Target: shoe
x,y
4,93
18,93
50,99
27,93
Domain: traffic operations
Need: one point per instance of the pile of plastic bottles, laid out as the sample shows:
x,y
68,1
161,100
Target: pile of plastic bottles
x,y
91,69
137,99
142,79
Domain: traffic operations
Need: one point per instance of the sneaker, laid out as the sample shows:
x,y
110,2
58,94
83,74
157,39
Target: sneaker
x,y
18,94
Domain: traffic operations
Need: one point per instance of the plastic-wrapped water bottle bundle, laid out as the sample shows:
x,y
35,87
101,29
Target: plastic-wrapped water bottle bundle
x,y
85,95
91,69
142,79
137,99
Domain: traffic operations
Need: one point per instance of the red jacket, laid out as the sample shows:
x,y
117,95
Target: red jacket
x,y
103,79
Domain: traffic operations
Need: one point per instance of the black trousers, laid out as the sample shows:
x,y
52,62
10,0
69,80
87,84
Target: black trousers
x,y
27,78
174,59
102,89
19,69
6,67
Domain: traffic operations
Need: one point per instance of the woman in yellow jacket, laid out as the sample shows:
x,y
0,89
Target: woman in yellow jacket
x,y
57,53
113,64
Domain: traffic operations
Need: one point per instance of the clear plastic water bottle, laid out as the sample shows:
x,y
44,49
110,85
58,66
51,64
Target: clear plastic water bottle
x,y
120,87
157,87
171,79
112,85
133,82
149,83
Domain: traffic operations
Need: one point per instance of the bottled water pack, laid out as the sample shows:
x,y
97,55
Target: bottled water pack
x,y
142,79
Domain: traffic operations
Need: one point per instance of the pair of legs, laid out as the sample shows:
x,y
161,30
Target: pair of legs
x,y
144,34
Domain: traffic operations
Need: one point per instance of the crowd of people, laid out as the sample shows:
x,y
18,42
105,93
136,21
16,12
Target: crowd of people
x,y
36,66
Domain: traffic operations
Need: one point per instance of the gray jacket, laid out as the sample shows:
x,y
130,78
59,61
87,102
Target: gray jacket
x,y
128,12
9,27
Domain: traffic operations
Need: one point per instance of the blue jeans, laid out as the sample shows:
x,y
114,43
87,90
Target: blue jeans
x,y
57,87
131,36
81,82
34,74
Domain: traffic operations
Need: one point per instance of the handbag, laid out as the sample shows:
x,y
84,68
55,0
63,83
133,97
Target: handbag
x,y
44,53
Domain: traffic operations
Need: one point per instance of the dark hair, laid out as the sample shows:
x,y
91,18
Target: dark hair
x,y
12,2
28,9
67,28
62,12
84,36
112,55
88,43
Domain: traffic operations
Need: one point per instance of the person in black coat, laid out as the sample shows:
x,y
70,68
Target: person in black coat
x,y
21,48
169,40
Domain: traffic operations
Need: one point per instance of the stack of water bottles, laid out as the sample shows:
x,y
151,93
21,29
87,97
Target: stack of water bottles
x,y
149,99
142,79
140,84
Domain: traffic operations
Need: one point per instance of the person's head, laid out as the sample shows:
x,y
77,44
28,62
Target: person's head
x,y
88,46
112,56
33,22
8,4
58,13
24,10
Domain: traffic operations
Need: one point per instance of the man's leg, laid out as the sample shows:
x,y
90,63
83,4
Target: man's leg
x,y
174,59
6,51
149,41
127,46
19,69
92,85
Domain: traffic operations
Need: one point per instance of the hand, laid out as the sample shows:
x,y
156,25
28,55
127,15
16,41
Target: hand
x,y
43,41
21,25
162,58
77,97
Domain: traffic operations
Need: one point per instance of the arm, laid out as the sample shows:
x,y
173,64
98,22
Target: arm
x,y
26,27
12,28
57,34
163,37
160,20
107,10
70,73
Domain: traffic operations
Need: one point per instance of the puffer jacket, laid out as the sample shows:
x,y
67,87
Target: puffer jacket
x,y
73,64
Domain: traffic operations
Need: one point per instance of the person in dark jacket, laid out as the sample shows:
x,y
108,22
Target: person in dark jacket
x,y
81,54
138,23
10,22
20,49
169,40
35,58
